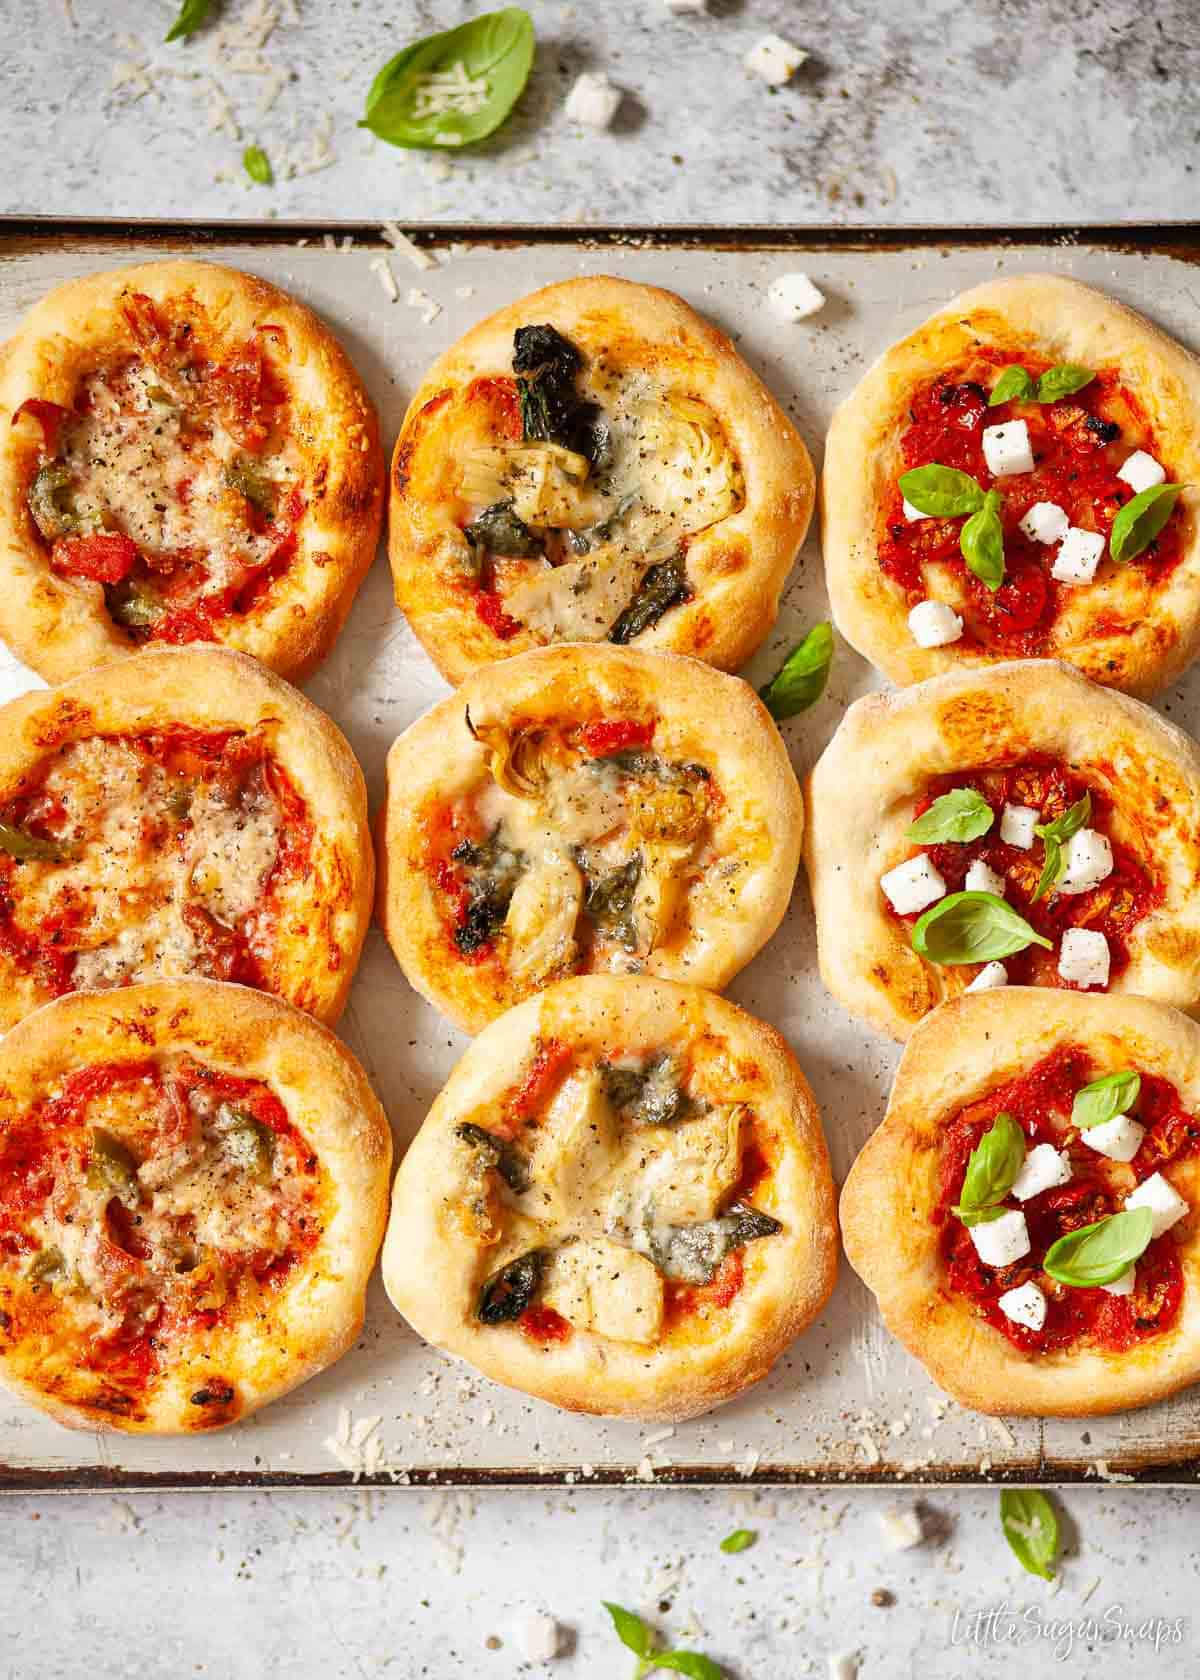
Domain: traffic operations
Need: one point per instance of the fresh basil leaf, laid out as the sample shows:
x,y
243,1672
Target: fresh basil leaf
x,y
631,1630
191,15
258,165
1062,380
1030,1525
28,848
982,542
978,1216
962,815
992,1169
1053,865
739,1541
1140,521
1102,1252
1054,835
456,87
800,681
972,927
1013,385
687,1662
942,492
1105,1098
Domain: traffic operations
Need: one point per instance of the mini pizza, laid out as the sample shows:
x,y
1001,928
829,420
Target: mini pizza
x,y
1026,1213
620,1202
1017,825
186,455
193,1189
185,813
594,463
585,810
1011,480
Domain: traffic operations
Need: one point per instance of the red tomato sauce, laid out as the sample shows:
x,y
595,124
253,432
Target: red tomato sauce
x,y
1040,1102
543,1324
682,1299
1079,443
1114,908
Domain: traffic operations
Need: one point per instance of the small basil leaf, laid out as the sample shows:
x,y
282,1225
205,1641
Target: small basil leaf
x,y
992,1169
739,1541
456,87
800,680
631,1630
982,542
1140,521
977,1216
1013,385
1100,1253
191,15
1105,1098
1053,866
28,847
1062,381
1030,1525
257,165
1069,823
962,815
691,1663
942,492
973,927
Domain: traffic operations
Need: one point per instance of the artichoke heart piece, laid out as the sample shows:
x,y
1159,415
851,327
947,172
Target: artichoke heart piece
x,y
541,919
597,1285
687,466
519,760
545,485
577,1148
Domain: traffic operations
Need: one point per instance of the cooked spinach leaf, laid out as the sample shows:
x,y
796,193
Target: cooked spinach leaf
x,y
664,586
498,1153
692,1253
609,900
493,869
509,1291
546,364
498,530
648,1096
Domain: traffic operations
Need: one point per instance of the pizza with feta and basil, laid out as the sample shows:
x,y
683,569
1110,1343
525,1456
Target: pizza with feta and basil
x,y
185,813
594,463
193,1190
1026,1213
620,1202
1017,478
585,810
186,455
1011,826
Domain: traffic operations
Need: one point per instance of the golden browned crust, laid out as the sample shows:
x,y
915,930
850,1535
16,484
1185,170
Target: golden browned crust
x,y
315,1316
59,625
736,568
433,1269
1124,629
701,716
961,1053
887,749
324,914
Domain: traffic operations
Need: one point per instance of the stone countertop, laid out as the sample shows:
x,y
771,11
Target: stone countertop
x,y
1029,111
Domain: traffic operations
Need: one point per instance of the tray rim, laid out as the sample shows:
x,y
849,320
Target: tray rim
x,y
21,234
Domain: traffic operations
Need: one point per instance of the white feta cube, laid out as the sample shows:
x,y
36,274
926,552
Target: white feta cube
x,y
536,1635
1017,823
1045,522
1026,1305
1142,472
1119,1139
1078,556
1089,860
934,624
774,60
687,5
911,513
990,976
793,297
1083,957
1007,449
981,877
998,1242
1044,1168
902,1529
593,100
1163,1200
913,885
1122,1285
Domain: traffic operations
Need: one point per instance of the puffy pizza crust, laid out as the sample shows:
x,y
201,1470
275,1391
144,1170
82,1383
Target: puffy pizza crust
x,y
316,1316
702,716
889,745
433,1271
736,568
59,625
1068,322
325,916
962,1052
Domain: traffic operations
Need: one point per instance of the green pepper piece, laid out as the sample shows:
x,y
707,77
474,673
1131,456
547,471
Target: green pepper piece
x,y
249,1144
44,1263
134,607
242,476
50,501
26,847
112,1166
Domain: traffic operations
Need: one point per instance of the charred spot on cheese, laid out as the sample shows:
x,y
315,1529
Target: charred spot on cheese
x,y
662,587
692,1253
508,1292
497,1153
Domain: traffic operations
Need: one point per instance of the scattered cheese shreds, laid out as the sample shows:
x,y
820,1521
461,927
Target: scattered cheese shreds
x,y
387,279
430,308
400,241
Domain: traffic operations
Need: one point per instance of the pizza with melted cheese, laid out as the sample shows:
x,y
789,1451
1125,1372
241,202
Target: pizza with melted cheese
x,y
183,814
193,1188
585,810
620,1202
594,463
186,455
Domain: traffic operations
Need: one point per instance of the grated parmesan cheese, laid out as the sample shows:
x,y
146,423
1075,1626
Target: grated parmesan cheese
x,y
430,308
400,241
387,279
443,92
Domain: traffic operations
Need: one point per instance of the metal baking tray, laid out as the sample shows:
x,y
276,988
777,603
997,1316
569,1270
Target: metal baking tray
x,y
847,1403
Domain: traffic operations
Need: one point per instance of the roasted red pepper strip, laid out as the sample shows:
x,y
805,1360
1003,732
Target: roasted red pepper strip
x,y
105,556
